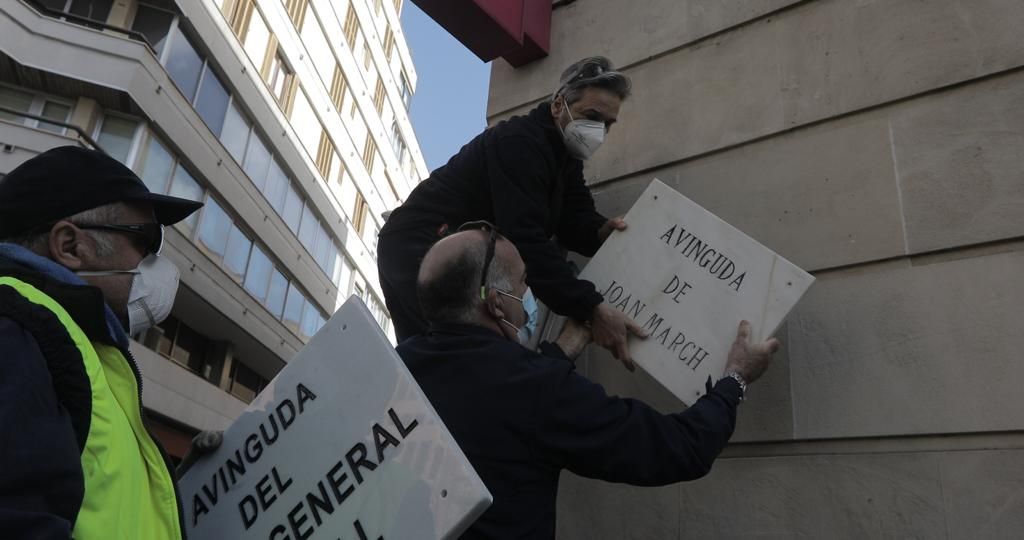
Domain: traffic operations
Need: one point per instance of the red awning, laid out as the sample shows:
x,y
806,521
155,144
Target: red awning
x,y
518,30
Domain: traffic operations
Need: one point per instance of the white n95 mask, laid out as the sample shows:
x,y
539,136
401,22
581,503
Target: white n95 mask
x,y
152,294
582,137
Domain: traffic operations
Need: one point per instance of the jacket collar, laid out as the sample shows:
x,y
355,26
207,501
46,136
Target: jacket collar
x,y
462,329
83,302
541,115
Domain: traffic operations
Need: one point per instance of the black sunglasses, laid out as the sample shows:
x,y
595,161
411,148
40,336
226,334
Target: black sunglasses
x,y
487,226
152,233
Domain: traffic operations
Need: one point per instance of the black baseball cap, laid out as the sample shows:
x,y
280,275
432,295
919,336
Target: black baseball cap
x,y
70,179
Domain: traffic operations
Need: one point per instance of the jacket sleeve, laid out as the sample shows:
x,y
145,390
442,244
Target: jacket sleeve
x,y
41,483
580,220
520,177
625,440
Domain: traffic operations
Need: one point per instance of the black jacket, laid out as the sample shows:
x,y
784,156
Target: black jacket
x,y
519,176
521,417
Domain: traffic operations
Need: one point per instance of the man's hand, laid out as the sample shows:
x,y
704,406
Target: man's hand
x,y
614,224
573,338
750,360
202,444
611,328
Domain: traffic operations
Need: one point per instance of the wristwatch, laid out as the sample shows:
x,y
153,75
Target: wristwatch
x,y
739,379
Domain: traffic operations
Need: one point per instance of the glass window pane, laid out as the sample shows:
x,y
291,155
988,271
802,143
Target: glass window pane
x,y
214,227
96,10
276,293
116,137
212,102
17,100
154,24
293,308
55,111
235,132
184,64
257,276
342,275
307,231
257,39
256,160
277,186
155,165
186,187
237,254
310,317
292,209
325,253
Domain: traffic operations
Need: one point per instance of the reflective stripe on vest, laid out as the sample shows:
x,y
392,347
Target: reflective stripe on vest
x,y
129,492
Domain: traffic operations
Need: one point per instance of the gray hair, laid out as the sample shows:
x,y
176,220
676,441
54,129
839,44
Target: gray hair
x,y
592,72
35,240
452,294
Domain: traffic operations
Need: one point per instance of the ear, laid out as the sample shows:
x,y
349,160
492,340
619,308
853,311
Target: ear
x,y
557,105
67,245
493,303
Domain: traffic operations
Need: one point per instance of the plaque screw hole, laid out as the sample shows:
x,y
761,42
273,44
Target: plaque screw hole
x,y
444,493
344,327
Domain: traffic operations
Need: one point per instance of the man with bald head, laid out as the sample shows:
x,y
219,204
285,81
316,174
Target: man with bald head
x,y
523,416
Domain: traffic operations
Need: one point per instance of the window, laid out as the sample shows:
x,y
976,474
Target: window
x,y
351,28
30,103
214,227
325,155
307,231
404,89
293,307
245,383
296,11
257,277
378,96
398,6
292,212
116,136
397,142
155,166
276,293
378,5
17,100
306,124
236,256
240,17
155,24
96,10
257,159
235,133
338,87
359,215
190,349
367,56
186,187
310,321
257,40
279,77
389,43
277,189
212,101
184,64
342,275
369,153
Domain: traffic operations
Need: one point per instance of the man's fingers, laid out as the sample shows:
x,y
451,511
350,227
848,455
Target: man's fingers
x,y
743,334
636,330
619,223
768,347
623,355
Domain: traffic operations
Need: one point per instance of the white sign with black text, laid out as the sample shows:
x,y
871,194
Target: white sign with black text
x,y
342,444
688,278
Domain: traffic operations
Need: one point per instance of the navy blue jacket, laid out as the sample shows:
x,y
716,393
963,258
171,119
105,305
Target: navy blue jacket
x,y
521,417
519,176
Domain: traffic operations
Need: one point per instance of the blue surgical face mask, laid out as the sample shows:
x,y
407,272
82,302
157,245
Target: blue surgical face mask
x,y
531,309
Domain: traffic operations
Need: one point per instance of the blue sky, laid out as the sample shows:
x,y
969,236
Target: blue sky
x,y
449,107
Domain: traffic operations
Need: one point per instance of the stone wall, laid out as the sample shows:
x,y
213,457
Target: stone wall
x,y
879,144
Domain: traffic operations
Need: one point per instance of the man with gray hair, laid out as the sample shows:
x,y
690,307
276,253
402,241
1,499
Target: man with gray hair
x,y
521,416
524,174
80,271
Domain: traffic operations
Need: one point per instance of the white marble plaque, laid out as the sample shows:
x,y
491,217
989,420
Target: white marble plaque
x,y
342,444
689,278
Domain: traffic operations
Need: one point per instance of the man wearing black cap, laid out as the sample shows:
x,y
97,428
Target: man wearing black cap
x,y
525,175
80,271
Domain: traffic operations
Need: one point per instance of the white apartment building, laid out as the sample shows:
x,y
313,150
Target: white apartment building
x,y
288,118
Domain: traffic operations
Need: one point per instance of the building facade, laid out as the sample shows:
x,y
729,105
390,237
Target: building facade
x,y
876,144
287,118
